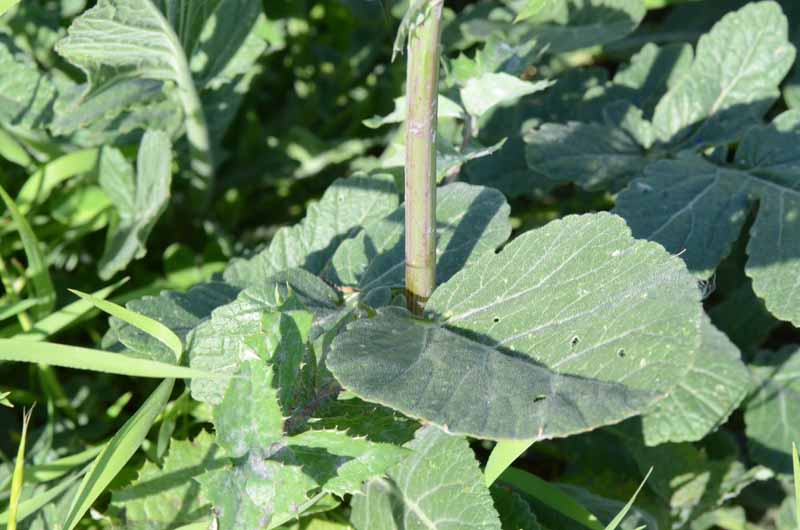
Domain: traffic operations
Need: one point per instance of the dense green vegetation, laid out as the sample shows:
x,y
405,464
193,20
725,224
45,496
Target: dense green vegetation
x,y
211,316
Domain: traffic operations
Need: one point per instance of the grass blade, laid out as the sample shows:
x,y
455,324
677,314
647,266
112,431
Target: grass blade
x,y
14,309
551,497
21,350
66,316
10,149
18,478
796,468
502,456
41,282
148,325
34,504
621,515
117,452
39,186
4,400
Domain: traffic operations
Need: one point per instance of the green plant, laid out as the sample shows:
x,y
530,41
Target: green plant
x,y
489,350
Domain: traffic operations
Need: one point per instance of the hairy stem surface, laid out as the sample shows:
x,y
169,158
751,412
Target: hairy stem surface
x,y
422,87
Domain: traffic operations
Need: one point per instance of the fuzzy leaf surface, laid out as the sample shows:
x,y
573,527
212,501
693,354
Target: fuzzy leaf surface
x,y
439,487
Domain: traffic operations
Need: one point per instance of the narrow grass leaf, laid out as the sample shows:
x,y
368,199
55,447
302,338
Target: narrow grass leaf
x,y
14,309
796,467
152,327
39,185
36,503
21,350
5,5
621,515
551,497
117,452
37,266
67,315
10,149
4,400
502,456
18,478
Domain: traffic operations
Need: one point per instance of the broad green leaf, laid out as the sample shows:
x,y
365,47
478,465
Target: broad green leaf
x,y
168,496
346,205
691,207
359,418
471,220
152,327
23,350
140,200
180,312
771,413
256,491
502,456
591,154
339,463
245,329
515,512
531,8
133,38
696,208
733,80
438,487
564,25
714,387
481,94
650,74
37,271
542,297
529,319
445,108
429,372
550,496
117,452
27,94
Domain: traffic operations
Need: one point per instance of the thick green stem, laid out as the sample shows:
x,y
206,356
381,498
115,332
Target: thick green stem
x,y
422,88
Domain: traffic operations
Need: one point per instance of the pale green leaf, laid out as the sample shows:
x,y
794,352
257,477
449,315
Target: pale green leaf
x,y
41,184
23,350
502,456
341,464
26,94
438,487
771,414
133,38
5,5
716,384
18,477
796,474
32,505
471,220
152,327
733,80
117,452
564,25
37,270
481,94
140,200
445,108
346,205
168,496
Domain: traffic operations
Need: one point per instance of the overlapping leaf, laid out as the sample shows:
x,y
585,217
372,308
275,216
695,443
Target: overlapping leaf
x,y
697,208
471,220
346,205
439,487
714,387
578,298
771,414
